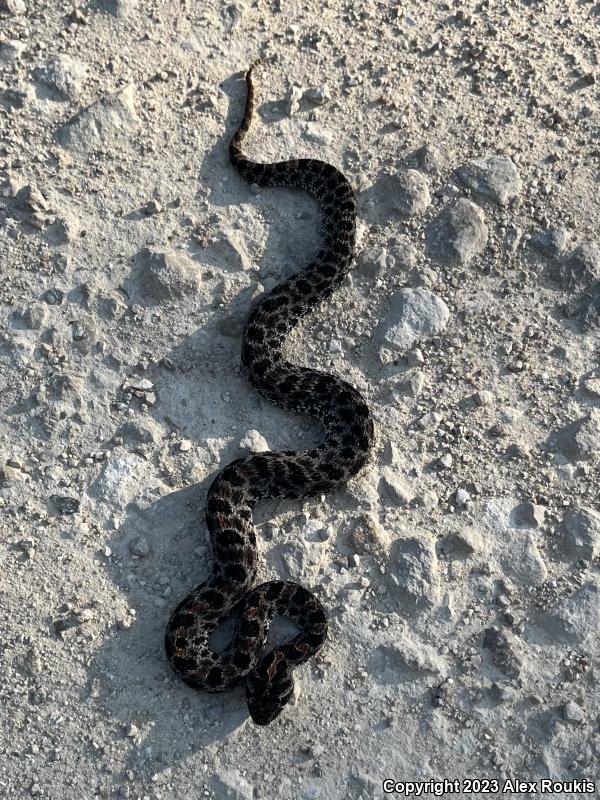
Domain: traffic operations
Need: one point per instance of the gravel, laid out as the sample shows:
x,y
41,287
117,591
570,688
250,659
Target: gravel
x,y
460,569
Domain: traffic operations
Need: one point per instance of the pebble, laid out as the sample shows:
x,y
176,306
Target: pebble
x,y
580,441
415,358
582,533
495,177
529,515
14,7
119,8
414,575
430,159
63,74
484,397
411,385
109,120
368,535
513,237
592,386
12,50
530,568
140,431
457,234
292,100
28,547
319,95
429,420
446,461
575,619
572,712
165,275
152,207
138,384
463,543
254,442
581,268
120,480
418,315
394,489
64,229
54,296
462,497
78,17
140,547
551,242
412,195
66,505
372,262
503,647
30,198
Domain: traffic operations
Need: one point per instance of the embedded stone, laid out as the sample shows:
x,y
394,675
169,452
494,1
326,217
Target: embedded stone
x,y
457,234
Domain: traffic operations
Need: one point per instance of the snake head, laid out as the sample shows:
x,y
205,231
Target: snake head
x,y
269,688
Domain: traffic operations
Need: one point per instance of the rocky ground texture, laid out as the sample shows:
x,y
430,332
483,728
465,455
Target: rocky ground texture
x,y
461,568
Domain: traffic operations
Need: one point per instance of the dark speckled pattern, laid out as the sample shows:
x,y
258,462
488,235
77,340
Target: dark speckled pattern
x,y
243,483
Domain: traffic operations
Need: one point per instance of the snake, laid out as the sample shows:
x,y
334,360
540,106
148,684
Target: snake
x,y
230,592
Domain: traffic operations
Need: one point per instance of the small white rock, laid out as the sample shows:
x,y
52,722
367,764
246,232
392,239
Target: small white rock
x,y
484,397
462,497
446,461
13,6
319,95
292,100
573,712
254,442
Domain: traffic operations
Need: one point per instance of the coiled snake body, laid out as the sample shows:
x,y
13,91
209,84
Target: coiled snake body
x,y
235,491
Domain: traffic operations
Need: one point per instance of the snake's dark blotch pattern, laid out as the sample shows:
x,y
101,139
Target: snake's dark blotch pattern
x,y
288,474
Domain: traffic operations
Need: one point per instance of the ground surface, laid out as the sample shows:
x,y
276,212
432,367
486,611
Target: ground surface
x,y
460,569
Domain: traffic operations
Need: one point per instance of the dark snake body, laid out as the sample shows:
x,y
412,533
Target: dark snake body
x,y
242,484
